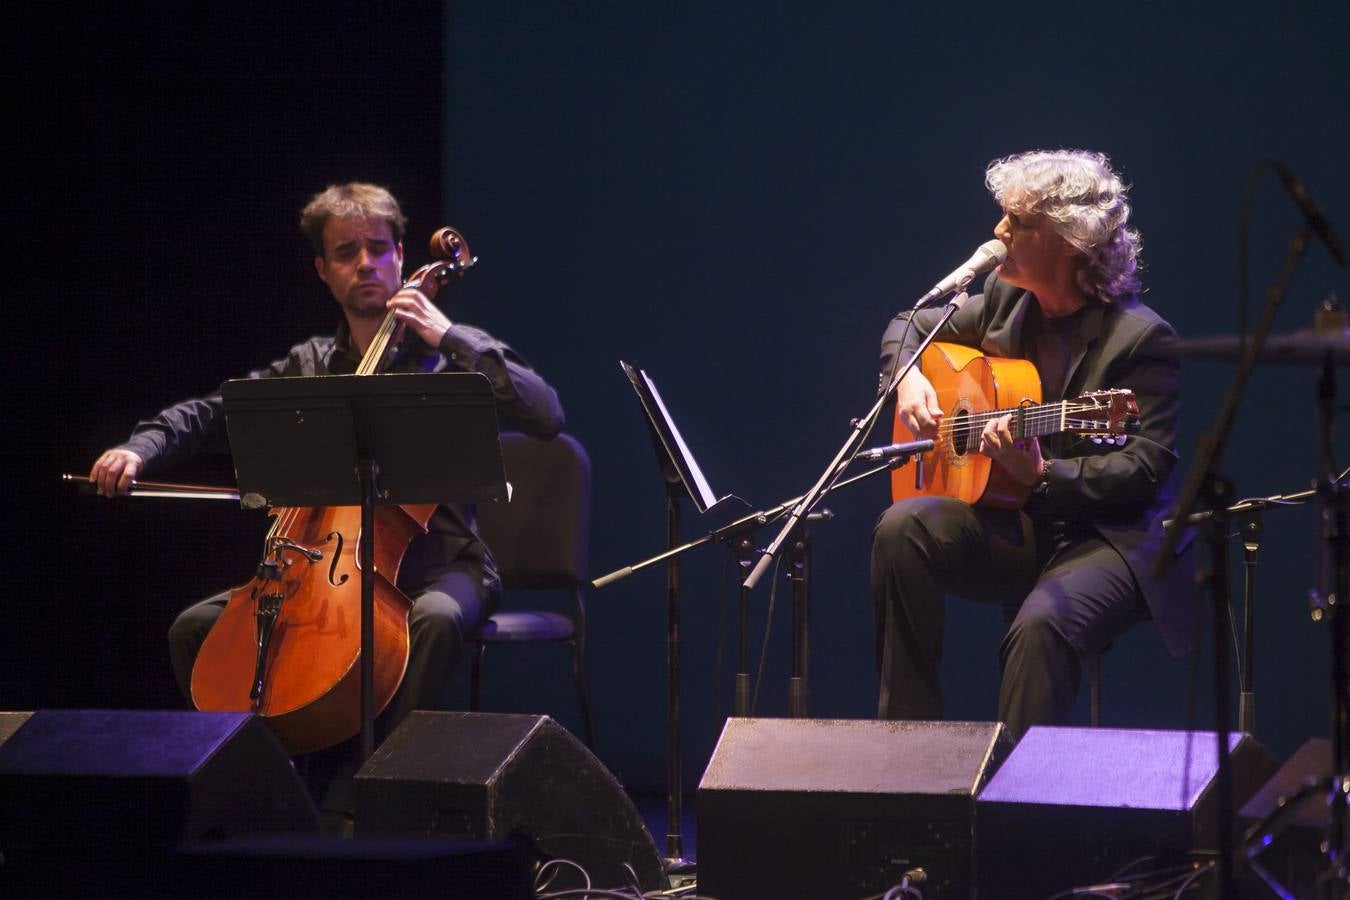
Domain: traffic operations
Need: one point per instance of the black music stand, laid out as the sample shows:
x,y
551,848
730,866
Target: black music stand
x,y
343,440
683,478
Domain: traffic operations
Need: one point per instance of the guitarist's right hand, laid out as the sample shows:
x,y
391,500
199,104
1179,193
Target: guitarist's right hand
x,y
917,406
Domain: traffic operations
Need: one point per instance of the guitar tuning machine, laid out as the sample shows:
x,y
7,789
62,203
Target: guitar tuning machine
x,y
1118,440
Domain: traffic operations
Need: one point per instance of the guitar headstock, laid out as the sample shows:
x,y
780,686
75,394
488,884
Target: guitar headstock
x,y
1103,416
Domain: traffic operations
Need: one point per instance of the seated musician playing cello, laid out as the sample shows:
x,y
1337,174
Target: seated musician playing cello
x,y
356,231
1073,566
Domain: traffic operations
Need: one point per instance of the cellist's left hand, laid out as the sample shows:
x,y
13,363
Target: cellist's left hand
x,y
1022,459
415,311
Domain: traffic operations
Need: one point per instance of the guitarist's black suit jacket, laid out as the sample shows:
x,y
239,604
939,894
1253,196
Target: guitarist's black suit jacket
x,y
1126,491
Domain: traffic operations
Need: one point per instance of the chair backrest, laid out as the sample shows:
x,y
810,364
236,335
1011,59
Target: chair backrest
x,y
540,539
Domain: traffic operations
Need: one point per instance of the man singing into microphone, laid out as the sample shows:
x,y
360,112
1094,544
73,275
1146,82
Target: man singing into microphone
x,y
1072,569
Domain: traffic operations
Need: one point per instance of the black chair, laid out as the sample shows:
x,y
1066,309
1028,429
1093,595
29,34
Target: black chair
x,y
540,541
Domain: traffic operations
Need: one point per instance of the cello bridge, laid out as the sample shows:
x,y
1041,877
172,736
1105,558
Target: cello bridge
x,y
278,544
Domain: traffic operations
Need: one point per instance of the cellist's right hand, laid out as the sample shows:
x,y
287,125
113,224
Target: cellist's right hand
x,y
917,406
114,471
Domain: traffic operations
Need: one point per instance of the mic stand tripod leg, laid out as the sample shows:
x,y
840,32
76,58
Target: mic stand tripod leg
x,y
799,573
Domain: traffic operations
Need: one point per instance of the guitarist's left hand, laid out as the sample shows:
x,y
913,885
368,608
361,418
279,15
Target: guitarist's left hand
x,y
1022,459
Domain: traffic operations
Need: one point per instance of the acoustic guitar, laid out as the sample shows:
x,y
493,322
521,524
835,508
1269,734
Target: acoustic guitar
x,y
974,389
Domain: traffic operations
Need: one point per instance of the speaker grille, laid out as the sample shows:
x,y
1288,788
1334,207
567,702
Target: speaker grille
x,y
816,808
496,776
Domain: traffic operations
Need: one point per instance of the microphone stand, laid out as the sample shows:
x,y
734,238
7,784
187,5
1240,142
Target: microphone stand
x,y
732,533
861,427
731,530
1206,483
1249,516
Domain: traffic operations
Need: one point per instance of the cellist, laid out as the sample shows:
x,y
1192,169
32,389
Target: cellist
x,y
356,231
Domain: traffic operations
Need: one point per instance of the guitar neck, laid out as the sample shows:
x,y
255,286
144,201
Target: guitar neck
x,y
1036,419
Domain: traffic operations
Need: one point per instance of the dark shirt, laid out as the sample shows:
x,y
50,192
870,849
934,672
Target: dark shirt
x,y
525,403
1052,343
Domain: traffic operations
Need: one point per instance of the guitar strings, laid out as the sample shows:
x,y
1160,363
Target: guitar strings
x,y
1043,415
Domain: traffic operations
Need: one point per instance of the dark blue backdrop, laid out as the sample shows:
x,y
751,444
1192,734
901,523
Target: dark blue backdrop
x,y
737,196
740,196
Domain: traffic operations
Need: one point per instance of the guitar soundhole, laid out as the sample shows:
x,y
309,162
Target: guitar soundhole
x,y
961,439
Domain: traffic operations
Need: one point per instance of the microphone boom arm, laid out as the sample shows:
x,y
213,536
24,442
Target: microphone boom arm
x,y
726,532
860,429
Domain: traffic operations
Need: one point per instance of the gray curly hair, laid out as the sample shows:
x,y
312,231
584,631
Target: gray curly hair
x,y
1086,203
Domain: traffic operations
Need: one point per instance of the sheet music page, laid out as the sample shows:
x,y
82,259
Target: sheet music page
x,y
707,498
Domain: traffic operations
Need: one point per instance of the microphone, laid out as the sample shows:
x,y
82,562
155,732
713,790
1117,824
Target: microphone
x,y
891,451
989,254
1311,214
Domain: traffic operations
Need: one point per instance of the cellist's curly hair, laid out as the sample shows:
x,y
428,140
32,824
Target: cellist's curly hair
x,y
354,199
1087,205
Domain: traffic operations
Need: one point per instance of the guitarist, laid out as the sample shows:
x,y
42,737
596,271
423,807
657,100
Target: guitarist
x,y
1072,568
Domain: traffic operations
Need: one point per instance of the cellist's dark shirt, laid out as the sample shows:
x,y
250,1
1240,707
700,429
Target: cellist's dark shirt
x,y
525,403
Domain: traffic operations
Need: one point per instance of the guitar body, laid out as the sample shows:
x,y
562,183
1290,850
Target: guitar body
x,y
967,383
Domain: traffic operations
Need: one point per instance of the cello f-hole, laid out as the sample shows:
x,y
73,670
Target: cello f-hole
x,y
333,578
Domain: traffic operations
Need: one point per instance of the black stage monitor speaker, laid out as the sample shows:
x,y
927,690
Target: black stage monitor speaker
x,y
1071,806
1291,842
125,785
495,776
815,808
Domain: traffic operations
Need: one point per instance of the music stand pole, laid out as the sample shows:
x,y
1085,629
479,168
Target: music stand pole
x,y
367,469
674,778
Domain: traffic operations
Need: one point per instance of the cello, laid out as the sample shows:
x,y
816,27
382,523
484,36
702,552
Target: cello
x,y
287,645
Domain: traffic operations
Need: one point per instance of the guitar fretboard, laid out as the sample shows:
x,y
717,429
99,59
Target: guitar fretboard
x,y
1032,420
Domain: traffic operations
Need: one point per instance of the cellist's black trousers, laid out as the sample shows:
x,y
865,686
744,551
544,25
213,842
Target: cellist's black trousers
x,y
1067,592
449,601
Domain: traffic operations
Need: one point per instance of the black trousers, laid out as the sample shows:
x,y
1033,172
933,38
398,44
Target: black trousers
x,y
449,601
1067,592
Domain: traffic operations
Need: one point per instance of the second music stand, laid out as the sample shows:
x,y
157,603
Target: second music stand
x,y
683,478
